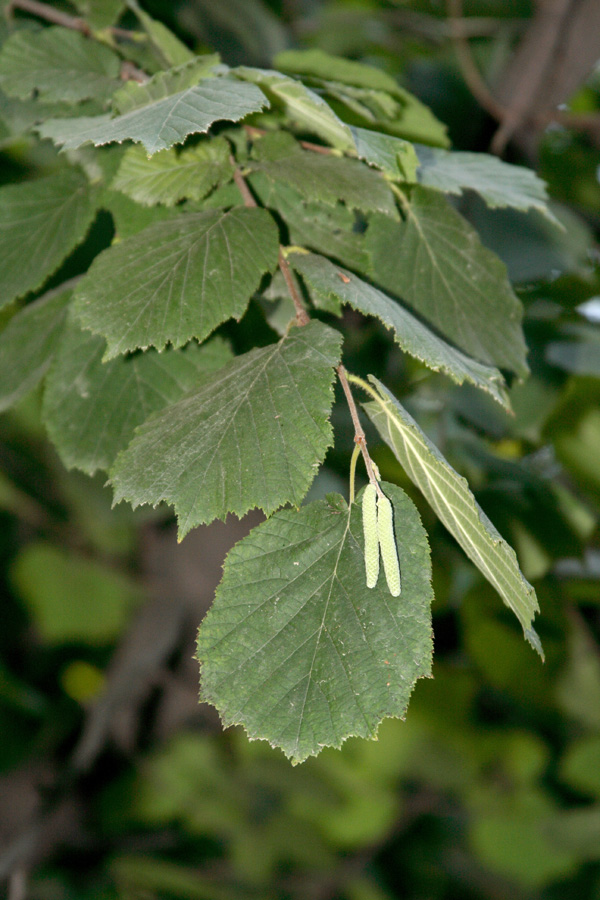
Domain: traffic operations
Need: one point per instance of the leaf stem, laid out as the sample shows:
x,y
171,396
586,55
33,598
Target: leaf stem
x,y
359,434
302,316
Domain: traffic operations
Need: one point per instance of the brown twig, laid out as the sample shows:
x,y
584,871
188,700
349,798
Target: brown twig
x,y
302,316
50,14
359,434
253,132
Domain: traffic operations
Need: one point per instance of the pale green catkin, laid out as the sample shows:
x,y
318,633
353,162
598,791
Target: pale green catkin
x,y
387,543
369,516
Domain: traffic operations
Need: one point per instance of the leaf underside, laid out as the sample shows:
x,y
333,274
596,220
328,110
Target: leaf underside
x,y
253,435
162,122
297,649
449,495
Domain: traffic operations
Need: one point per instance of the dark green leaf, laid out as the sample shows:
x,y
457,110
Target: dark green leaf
x,y
435,261
27,345
253,435
329,230
169,176
91,408
323,179
57,64
297,649
178,279
40,223
158,115
328,280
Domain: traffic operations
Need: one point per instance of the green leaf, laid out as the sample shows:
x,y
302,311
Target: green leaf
x,y
273,403
71,598
454,504
326,229
500,184
91,408
328,280
159,119
177,279
28,343
304,108
318,64
323,179
41,222
435,261
368,92
394,156
169,176
130,217
170,48
57,64
100,13
297,649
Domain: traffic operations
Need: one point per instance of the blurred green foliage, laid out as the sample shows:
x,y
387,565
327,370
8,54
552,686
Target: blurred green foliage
x,y
491,788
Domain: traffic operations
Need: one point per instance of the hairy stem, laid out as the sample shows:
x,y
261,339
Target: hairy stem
x,y
359,434
301,315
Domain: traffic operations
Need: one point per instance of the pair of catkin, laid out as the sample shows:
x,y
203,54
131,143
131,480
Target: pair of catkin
x,y
378,528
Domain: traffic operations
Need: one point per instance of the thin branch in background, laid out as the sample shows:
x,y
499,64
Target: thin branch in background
x,y
470,72
17,885
49,14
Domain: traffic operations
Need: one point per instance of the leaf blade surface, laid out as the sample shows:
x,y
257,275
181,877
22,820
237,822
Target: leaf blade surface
x,y
297,648
252,435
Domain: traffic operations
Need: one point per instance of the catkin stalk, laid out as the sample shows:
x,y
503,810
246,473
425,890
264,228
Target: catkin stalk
x,y
369,516
387,544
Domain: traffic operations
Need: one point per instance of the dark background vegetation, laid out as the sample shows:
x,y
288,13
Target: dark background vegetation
x,y
115,782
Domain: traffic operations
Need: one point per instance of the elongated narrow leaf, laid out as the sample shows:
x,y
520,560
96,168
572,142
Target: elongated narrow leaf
x,y
169,176
297,648
162,121
41,222
28,343
327,280
91,408
435,261
499,183
177,279
57,64
394,156
253,435
324,179
303,106
449,495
